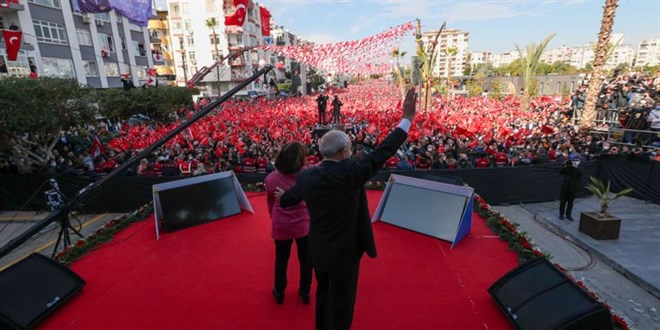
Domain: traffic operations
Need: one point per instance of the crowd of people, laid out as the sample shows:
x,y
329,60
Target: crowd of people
x,y
453,132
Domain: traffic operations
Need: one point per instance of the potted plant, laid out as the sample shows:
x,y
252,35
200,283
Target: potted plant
x,y
601,224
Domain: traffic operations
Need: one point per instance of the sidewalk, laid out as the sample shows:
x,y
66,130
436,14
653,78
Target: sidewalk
x,y
625,272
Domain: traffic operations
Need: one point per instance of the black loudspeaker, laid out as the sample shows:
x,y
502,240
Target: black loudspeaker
x,y
32,288
442,178
320,131
539,296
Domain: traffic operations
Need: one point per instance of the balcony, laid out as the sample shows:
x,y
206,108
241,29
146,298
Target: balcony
x,y
235,47
13,6
237,62
231,29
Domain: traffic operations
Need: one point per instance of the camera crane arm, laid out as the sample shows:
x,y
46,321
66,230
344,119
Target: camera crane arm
x,y
204,71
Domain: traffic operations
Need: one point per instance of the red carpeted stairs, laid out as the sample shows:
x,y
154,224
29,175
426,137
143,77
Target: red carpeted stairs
x,y
220,275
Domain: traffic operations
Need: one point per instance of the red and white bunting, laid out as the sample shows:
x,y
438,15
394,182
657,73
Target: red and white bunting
x,y
365,56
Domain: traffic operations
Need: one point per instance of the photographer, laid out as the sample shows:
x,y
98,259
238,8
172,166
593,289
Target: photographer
x,y
570,186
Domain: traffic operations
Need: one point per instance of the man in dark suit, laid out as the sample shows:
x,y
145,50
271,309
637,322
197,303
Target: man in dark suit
x,y
322,104
340,226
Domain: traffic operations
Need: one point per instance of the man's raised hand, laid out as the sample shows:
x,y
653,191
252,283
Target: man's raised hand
x,y
410,104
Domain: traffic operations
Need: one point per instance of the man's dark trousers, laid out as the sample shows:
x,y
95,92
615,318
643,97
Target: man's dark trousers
x,y
335,297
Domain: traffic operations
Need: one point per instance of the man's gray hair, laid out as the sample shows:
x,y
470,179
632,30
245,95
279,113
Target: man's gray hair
x,y
334,142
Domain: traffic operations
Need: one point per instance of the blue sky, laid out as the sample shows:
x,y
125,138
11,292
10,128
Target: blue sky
x,y
493,25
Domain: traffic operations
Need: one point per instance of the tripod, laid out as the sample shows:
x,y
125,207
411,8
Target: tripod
x,y
64,236
55,200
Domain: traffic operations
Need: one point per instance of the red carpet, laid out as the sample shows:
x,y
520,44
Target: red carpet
x,y
219,276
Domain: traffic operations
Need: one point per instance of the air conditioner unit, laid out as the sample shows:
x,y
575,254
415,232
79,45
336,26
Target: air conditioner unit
x,y
99,22
86,19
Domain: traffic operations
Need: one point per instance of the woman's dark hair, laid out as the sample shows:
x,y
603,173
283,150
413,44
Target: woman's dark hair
x,y
291,159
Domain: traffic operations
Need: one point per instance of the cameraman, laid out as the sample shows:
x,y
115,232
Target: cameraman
x,y
570,186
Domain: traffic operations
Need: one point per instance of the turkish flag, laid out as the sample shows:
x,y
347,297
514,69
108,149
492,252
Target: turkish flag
x,y
265,21
12,43
238,18
97,148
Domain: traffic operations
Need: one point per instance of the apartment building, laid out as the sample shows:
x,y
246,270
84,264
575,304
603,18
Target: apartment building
x,y
195,46
161,47
447,63
648,52
95,49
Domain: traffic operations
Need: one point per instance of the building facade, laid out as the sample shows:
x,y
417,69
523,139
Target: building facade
x,y
194,44
161,47
95,49
448,63
648,52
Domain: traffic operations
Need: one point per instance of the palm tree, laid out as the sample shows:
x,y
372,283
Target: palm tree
x,y
450,53
600,57
397,54
530,62
212,23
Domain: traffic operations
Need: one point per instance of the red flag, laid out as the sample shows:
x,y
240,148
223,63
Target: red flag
x,y
238,18
12,43
547,129
265,21
97,148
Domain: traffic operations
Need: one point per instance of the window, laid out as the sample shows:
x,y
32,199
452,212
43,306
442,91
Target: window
x,y
49,32
91,70
190,40
49,3
210,6
57,67
103,17
192,58
174,10
139,49
186,25
84,37
106,42
111,69
142,72
214,39
133,26
119,17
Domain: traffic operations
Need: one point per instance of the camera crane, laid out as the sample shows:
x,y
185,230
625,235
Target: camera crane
x,y
205,70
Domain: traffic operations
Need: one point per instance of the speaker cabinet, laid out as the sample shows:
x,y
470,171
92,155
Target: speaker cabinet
x,y
539,296
32,288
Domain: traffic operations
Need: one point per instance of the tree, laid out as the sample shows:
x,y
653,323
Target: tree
x,y
530,62
160,103
486,69
600,57
474,86
426,56
495,88
33,112
450,53
397,54
212,23
514,68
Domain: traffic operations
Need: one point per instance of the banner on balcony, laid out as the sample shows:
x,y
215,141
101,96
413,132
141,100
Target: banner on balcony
x,y
365,56
12,43
137,11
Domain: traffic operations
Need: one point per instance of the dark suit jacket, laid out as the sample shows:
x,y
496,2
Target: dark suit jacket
x,y
340,225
